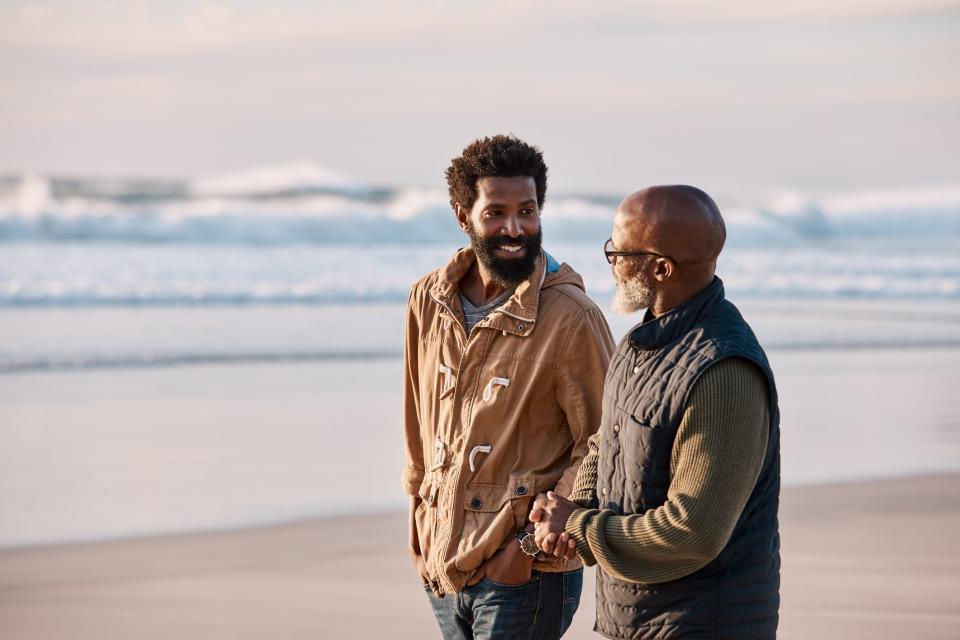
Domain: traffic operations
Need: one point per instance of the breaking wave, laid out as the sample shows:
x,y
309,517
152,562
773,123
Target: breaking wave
x,y
306,204
303,234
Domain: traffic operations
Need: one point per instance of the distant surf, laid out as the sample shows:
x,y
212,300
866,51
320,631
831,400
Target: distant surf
x,y
304,234
304,203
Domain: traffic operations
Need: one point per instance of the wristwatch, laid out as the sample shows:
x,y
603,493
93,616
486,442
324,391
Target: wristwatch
x,y
528,543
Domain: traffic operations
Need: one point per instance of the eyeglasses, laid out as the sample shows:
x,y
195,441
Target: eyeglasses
x,y
609,251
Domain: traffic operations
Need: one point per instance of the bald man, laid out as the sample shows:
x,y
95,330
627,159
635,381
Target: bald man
x,y
677,499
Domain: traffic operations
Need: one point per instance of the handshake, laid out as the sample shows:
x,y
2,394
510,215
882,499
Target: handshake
x,y
549,514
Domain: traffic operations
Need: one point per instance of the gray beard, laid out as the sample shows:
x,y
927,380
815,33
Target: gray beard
x,y
632,296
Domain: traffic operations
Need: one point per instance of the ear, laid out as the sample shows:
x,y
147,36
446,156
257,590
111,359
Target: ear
x,y
663,269
463,216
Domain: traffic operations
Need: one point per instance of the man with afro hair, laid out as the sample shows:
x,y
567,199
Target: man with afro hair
x,y
504,363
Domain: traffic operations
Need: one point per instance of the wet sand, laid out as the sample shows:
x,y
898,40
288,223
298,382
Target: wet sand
x,y
877,559
123,453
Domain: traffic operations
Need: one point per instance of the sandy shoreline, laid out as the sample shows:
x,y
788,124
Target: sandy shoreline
x,y
105,454
872,559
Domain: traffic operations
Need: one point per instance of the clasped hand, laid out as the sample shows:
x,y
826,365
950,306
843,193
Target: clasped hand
x,y
550,514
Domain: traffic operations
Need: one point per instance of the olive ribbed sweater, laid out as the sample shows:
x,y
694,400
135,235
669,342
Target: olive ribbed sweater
x,y
716,458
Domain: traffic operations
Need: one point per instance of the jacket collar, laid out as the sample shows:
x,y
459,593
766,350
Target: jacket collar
x,y
655,333
517,315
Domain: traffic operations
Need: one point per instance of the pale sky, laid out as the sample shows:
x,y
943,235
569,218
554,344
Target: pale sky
x,y
818,95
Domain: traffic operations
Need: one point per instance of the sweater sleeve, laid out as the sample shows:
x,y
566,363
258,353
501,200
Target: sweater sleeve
x,y
716,459
585,486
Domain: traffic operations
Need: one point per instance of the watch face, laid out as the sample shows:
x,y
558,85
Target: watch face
x,y
529,545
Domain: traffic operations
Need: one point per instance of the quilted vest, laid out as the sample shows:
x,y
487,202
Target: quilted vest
x,y
737,595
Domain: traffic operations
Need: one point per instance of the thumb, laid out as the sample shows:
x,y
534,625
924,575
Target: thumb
x,y
551,495
477,575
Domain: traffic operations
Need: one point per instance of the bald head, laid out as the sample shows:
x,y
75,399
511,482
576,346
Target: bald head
x,y
678,221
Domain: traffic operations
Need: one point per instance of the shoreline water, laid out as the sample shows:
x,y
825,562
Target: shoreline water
x,y
167,361
107,454
100,453
122,338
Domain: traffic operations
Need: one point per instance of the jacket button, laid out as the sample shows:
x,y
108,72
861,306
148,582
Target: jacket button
x,y
476,503
520,327
604,492
636,369
616,428
521,490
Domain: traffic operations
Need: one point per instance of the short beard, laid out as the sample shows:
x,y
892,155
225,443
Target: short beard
x,y
507,272
633,294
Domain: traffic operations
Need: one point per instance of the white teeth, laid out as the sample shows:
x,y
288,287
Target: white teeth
x,y
512,249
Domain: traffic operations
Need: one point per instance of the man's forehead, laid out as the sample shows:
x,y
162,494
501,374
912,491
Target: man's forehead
x,y
625,218
621,236
503,187
630,226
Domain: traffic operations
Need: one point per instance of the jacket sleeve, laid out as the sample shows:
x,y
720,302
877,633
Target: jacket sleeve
x,y
586,354
412,445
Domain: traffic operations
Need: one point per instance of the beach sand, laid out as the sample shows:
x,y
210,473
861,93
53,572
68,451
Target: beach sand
x,y
875,559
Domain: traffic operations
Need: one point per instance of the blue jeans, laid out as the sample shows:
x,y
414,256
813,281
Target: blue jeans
x,y
541,609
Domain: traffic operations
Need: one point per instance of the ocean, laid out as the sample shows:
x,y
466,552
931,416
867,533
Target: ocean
x,y
198,354
299,235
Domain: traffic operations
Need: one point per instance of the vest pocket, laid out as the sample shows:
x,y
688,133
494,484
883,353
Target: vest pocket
x,y
647,448
493,512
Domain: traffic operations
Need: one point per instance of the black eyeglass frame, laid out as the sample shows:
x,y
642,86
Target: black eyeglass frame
x,y
611,254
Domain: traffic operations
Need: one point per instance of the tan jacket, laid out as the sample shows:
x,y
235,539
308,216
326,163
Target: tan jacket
x,y
492,419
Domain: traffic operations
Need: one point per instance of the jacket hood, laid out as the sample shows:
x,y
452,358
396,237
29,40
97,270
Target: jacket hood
x,y
562,274
520,310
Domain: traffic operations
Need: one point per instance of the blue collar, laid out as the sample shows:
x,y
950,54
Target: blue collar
x,y
552,265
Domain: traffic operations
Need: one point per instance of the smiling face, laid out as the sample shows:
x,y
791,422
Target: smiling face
x,y
504,227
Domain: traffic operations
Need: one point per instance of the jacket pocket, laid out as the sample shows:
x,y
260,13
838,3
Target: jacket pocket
x,y
493,513
423,518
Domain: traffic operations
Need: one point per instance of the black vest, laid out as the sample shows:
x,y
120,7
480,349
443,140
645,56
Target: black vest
x,y
737,595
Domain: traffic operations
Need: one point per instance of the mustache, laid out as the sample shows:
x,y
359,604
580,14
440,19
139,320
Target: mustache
x,y
499,243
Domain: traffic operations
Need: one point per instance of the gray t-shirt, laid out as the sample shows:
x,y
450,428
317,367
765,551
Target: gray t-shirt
x,y
472,315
